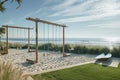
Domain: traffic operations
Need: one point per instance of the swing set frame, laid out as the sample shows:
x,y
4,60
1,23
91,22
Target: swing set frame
x,y
16,27
36,20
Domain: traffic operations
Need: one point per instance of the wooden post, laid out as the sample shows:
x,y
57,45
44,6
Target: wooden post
x,y
7,40
63,49
28,40
36,41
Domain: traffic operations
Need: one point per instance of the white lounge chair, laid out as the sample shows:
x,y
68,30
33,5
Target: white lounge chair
x,y
109,55
100,56
103,56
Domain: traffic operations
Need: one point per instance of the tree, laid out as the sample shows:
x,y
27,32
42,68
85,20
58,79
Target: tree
x,y
2,31
2,2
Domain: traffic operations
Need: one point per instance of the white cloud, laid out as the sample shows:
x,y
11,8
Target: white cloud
x,y
38,11
87,10
65,4
108,25
28,15
74,9
88,18
9,22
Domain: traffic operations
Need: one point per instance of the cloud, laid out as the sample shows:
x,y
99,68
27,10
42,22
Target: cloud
x,y
87,10
9,22
88,18
46,5
28,14
65,4
73,9
108,25
38,11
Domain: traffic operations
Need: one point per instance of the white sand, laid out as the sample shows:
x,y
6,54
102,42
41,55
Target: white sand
x,y
46,63
52,61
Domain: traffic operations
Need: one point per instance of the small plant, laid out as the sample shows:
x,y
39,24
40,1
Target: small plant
x,y
7,72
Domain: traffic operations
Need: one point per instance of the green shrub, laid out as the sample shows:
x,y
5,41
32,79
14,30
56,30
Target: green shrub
x,y
116,52
16,45
2,48
49,46
67,47
105,50
32,46
25,46
78,49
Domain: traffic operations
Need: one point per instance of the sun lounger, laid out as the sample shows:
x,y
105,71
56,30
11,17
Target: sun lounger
x,y
103,56
100,56
109,55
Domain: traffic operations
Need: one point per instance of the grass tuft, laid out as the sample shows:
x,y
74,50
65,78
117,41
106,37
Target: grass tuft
x,y
7,72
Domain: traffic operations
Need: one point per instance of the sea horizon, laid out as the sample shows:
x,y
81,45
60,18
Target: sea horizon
x,y
82,41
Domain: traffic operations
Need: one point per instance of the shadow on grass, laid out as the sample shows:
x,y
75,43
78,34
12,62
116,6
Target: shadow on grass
x,y
103,62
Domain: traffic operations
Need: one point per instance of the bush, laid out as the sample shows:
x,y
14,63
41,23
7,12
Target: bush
x,y
7,72
25,46
2,48
116,52
49,46
16,45
67,47
105,50
80,49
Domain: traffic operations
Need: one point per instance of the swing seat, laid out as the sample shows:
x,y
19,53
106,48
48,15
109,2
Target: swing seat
x,y
68,54
31,50
30,61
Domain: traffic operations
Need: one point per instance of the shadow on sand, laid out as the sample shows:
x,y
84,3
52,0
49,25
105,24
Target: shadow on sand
x,y
26,64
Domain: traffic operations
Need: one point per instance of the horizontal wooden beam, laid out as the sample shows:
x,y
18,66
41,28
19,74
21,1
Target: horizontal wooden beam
x,y
46,22
15,27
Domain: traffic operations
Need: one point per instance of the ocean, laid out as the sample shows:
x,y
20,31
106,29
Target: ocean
x,y
82,41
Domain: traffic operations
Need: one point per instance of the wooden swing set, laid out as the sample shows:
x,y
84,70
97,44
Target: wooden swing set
x,y
16,27
51,23
36,20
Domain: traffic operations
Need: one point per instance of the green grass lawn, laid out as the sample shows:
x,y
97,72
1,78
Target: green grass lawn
x,y
84,72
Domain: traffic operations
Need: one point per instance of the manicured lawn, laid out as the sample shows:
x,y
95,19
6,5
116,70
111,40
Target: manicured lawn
x,y
84,72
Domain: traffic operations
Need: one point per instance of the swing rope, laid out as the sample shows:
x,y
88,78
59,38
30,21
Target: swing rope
x,y
53,38
17,39
44,35
59,40
56,39
48,38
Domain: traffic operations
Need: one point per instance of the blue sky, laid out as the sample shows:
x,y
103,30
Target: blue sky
x,y
85,18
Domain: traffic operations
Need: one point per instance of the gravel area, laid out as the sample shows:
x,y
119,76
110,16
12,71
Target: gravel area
x,y
51,60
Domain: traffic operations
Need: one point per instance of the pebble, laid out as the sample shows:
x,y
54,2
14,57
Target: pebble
x,y
51,61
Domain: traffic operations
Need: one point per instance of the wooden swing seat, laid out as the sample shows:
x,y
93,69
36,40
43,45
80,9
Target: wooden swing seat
x,y
68,54
30,61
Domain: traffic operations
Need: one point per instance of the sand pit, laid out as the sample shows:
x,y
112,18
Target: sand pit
x,y
47,61
51,60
